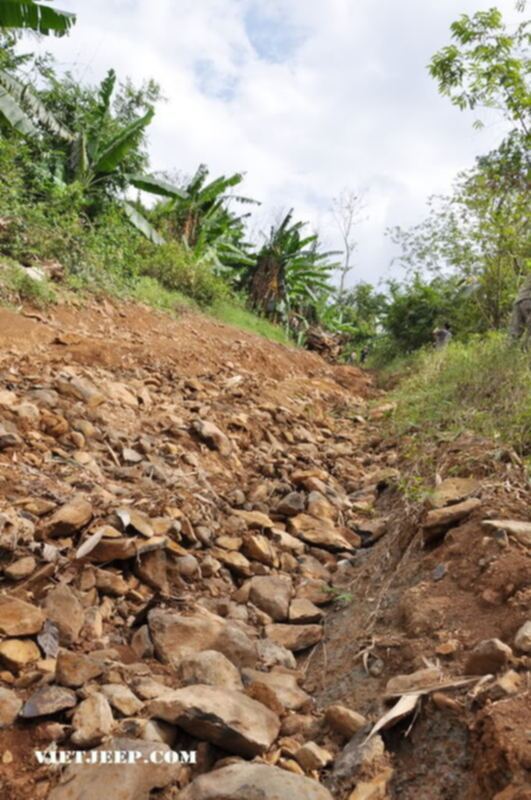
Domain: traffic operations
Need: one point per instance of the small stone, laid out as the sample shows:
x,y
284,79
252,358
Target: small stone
x,y
420,679
92,721
18,653
295,637
518,529
304,611
211,668
10,706
122,698
292,504
70,518
447,648
254,519
48,700
440,519
344,720
522,640
213,436
108,582
312,757
76,669
488,657
282,683
439,572
21,568
272,594
453,490
374,789
18,618
64,609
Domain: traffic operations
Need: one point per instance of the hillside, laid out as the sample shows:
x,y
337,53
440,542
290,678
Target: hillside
x,y
209,542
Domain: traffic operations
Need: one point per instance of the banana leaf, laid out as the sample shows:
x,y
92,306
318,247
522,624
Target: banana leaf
x,y
149,183
35,17
141,223
118,147
33,105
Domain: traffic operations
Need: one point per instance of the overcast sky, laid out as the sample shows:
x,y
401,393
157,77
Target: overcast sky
x,y
305,96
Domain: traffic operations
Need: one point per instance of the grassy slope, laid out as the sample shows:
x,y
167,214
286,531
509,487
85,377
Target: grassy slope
x,y
483,386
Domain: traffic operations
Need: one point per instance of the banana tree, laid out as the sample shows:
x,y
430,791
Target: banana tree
x,y
289,274
23,109
37,17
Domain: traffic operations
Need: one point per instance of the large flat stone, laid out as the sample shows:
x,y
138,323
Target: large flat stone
x,y
18,618
228,719
175,636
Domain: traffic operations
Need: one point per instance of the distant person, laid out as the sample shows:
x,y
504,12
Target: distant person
x,y
364,352
442,336
521,316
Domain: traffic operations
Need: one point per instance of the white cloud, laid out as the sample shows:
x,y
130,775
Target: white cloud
x,y
304,96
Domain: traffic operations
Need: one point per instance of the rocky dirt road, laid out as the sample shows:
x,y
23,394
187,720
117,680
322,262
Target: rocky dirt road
x,y
205,545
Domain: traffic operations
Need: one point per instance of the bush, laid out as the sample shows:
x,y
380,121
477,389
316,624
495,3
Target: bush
x,y
175,268
483,386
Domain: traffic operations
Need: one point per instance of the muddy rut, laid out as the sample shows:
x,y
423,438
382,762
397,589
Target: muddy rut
x,y
208,546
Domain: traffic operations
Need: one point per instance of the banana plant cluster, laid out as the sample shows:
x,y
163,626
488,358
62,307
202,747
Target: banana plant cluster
x,y
289,276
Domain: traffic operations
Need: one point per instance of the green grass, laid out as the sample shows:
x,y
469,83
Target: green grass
x,y
232,313
483,386
17,286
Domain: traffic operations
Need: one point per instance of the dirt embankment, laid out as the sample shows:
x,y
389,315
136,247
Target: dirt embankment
x,y
205,545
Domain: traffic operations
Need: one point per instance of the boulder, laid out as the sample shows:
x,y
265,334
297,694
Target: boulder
x,y
272,594
92,721
18,618
252,782
48,700
211,668
226,718
282,683
130,781
76,669
175,636
295,637
64,609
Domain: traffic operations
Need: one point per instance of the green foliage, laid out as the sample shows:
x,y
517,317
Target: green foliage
x,y
37,17
487,66
176,269
17,286
482,386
